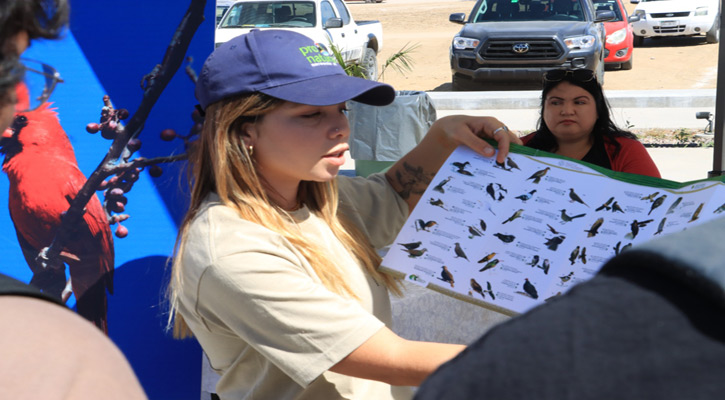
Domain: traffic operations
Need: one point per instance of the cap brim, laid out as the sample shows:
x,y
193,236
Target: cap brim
x,y
334,89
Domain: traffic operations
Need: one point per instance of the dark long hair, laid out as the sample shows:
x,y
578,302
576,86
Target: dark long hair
x,y
11,72
40,18
605,130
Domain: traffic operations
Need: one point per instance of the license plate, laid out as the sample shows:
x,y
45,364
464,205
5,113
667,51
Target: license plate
x,y
667,24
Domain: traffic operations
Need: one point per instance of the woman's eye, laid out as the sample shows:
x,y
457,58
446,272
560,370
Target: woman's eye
x,y
312,115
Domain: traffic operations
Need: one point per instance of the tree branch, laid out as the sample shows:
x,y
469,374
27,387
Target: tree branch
x,y
156,83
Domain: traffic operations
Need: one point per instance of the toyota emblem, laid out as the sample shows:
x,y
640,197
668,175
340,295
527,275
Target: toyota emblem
x,y
520,48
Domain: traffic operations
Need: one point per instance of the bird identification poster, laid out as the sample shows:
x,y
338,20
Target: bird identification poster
x,y
511,236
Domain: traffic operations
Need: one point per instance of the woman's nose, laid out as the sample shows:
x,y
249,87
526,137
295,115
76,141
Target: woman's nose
x,y
341,128
567,109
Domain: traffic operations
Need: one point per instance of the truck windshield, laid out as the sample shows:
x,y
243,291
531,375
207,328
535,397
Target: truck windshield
x,y
531,10
609,5
249,14
220,12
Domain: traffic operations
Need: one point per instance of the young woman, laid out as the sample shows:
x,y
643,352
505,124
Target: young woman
x,y
276,271
575,122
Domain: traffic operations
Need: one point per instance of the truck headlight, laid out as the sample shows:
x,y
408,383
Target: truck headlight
x,y
580,42
641,14
462,43
700,11
617,36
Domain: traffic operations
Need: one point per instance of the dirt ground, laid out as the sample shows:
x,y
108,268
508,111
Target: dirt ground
x,y
672,63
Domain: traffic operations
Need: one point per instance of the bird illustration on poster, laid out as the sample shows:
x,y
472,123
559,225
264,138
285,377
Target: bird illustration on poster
x,y
543,234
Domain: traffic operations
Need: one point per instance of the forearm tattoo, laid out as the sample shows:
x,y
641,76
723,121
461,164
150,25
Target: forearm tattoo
x,y
412,180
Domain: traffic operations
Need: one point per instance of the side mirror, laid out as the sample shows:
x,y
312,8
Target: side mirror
x,y
603,16
458,18
333,23
633,18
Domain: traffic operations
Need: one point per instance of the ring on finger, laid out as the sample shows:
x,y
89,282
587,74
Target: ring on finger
x,y
497,130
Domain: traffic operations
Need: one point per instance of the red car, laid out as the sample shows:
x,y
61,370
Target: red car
x,y
619,43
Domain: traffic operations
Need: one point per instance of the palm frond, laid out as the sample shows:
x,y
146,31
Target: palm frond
x,y
400,61
350,69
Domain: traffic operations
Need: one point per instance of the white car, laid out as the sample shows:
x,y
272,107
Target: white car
x,y
327,22
659,18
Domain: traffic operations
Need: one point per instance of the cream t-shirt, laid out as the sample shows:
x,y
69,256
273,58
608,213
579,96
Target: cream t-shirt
x,y
259,311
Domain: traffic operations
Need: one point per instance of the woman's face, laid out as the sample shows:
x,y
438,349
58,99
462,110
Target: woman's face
x,y
570,112
297,142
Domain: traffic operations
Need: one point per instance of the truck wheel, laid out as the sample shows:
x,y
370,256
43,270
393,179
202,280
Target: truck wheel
x,y
713,35
460,84
638,41
370,64
627,65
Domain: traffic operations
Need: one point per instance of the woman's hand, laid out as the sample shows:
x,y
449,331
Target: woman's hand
x,y
455,130
411,175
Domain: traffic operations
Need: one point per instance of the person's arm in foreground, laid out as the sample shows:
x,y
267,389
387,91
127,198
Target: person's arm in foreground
x,y
411,175
52,353
386,357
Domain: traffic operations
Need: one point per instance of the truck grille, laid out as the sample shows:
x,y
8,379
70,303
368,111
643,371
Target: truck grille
x,y
539,49
670,15
669,29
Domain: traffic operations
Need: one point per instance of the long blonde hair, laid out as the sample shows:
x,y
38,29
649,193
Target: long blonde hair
x,y
220,162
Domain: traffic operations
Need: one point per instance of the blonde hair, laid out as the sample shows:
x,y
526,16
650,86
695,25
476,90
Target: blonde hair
x,y
220,162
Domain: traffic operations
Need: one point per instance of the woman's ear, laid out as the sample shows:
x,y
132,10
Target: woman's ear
x,y
249,133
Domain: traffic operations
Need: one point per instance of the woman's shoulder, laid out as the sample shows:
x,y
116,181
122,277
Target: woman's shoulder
x,y
213,211
369,193
527,138
220,230
627,142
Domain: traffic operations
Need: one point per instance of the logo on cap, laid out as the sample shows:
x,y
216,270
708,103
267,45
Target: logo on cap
x,y
317,55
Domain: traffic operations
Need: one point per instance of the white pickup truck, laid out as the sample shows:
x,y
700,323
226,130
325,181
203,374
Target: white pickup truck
x,y
324,21
659,18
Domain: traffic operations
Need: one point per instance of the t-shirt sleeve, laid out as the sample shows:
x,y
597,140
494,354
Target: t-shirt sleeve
x,y
259,291
374,206
634,159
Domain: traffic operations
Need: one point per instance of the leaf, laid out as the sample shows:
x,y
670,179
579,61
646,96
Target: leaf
x,y
350,69
401,61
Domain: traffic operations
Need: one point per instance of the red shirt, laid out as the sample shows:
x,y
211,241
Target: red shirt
x,y
632,157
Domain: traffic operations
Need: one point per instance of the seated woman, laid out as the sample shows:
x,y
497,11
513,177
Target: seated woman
x,y
575,122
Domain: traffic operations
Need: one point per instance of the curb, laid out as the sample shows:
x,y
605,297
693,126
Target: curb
x,y
530,99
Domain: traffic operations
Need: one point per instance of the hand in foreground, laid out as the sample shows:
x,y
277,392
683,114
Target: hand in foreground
x,y
469,130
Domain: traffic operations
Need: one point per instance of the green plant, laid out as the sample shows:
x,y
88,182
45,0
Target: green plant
x,y
682,135
400,61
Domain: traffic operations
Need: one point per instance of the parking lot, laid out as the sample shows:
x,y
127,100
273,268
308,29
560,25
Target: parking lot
x,y
672,63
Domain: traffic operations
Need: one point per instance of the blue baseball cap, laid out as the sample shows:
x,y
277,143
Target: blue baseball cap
x,y
286,65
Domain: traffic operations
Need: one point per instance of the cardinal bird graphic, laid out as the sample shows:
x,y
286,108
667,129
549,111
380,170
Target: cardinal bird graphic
x,y
44,178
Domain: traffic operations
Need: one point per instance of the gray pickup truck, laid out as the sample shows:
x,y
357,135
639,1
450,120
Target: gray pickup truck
x,y
508,44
